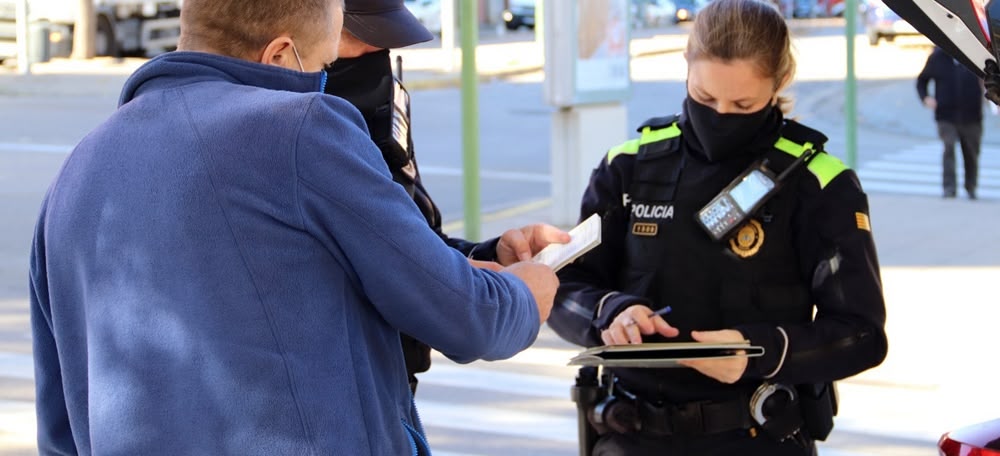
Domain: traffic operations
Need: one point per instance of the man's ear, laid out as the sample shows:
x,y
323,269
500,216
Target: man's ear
x,y
279,53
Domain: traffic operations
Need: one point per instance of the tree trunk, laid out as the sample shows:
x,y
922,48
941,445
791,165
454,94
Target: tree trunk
x,y
85,31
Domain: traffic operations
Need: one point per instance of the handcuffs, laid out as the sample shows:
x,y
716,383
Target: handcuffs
x,y
775,407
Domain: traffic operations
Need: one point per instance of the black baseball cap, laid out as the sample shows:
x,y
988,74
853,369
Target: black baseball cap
x,y
384,23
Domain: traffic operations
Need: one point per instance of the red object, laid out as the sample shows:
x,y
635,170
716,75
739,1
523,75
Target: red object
x,y
982,439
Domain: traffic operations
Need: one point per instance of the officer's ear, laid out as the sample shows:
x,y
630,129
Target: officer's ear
x,y
784,83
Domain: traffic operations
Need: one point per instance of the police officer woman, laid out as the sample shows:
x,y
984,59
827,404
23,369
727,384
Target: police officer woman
x,y
797,275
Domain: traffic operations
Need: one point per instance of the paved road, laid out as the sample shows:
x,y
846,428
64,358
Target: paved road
x,y
939,258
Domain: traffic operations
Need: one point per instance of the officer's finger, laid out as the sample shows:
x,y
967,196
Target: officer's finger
x,y
664,328
617,335
542,235
517,243
632,333
643,323
606,337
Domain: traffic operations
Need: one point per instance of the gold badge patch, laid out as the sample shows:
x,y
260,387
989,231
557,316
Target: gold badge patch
x,y
645,229
748,239
863,222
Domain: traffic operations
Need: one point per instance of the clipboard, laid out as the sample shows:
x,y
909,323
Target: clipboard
x,y
662,354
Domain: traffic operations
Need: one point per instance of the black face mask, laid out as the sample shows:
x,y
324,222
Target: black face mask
x,y
367,83
723,136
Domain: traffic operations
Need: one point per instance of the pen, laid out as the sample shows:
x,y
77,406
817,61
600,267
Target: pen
x,y
660,312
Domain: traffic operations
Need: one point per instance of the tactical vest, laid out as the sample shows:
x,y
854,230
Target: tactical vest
x,y
757,276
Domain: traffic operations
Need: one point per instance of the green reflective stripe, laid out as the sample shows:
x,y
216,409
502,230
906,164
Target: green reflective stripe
x,y
824,166
651,136
630,147
790,147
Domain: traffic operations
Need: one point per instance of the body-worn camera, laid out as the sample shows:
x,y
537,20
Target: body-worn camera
x,y
735,203
744,196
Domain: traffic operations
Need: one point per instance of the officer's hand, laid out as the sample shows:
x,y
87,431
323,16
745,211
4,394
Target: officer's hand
x,y
634,322
727,370
496,267
930,102
540,280
522,244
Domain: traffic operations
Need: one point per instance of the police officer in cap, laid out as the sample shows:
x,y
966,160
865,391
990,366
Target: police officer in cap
x,y
363,75
797,274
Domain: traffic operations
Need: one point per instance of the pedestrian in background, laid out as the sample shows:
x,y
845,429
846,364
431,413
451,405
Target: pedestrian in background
x,y
363,76
957,102
225,265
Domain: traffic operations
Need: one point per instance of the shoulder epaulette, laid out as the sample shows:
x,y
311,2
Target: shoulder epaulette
x,y
797,138
657,123
802,134
652,130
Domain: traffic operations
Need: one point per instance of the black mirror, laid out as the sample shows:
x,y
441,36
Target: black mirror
x,y
960,27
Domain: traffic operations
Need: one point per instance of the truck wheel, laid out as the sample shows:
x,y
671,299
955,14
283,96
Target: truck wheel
x,y
106,44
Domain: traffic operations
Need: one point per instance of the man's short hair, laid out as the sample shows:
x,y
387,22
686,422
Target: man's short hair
x,y
241,28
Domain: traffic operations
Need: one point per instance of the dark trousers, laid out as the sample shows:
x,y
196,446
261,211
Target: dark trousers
x,y
739,442
969,136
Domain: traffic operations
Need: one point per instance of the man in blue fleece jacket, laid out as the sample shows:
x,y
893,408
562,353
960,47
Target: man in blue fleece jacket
x,y
225,265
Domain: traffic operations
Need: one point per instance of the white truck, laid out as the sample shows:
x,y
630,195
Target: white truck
x,y
124,27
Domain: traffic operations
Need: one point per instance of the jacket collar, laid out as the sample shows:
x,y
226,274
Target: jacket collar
x,y
180,68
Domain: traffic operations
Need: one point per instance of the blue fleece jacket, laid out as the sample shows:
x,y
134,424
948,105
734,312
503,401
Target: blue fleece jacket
x,y
224,267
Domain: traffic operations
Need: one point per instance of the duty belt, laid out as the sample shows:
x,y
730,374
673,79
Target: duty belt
x,y
688,419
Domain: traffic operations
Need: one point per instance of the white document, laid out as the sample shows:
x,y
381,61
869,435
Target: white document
x,y
584,237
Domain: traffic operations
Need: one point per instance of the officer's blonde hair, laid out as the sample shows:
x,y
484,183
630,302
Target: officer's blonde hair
x,y
751,30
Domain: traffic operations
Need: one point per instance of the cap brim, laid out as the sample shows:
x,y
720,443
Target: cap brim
x,y
388,29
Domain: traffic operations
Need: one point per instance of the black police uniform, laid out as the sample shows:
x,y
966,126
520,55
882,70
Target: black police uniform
x,y
367,83
809,247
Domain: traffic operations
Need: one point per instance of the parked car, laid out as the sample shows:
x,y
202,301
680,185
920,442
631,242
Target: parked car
x,y
835,8
805,8
883,23
428,12
981,439
655,13
786,7
520,13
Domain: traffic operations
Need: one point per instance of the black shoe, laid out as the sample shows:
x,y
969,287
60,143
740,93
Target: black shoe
x,y
972,196
948,195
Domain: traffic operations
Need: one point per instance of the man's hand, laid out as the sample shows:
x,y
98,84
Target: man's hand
x,y
540,280
634,322
522,244
930,102
727,370
495,267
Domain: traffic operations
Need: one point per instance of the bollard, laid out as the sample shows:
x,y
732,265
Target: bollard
x,y
38,43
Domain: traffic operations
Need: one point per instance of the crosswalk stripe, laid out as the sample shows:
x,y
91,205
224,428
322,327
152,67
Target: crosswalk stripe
x,y
17,421
917,171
